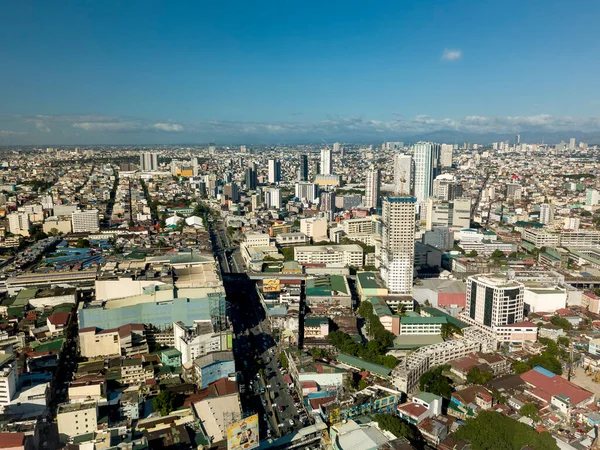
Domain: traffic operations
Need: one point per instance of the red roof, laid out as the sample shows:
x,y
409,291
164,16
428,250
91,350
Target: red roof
x,y
564,312
59,318
316,403
309,384
524,324
9,440
546,387
287,378
412,409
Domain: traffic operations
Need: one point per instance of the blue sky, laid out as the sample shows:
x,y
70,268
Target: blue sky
x,y
104,71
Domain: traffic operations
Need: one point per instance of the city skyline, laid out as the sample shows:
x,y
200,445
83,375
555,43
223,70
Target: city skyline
x,y
103,73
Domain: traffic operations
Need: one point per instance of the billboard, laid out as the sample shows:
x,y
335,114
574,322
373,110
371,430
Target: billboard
x,y
243,434
271,285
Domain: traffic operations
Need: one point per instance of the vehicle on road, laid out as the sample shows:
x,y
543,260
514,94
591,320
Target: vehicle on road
x,y
291,422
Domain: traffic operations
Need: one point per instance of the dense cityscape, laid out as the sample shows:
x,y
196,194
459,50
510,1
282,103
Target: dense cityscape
x,y
339,296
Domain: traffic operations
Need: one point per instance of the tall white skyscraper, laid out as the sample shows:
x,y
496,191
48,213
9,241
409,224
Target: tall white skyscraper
x,y
403,174
545,213
446,155
325,161
274,171
18,223
572,144
495,300
85,221
148,161
336,147
426,155
398,243
273,198
307,191
372,188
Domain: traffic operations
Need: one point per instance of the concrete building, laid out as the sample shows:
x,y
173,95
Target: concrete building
x,y
127,340
303,170
326,166
9,379
403,174
274,171
446,155
148,162
539,297
306,191
199,340
273,198
18,223
76,419
315,228
212,367
349,255
372,187
85,221
495,299
426,157
445,187
546,213
398,243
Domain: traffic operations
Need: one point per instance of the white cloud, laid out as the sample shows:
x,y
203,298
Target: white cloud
x,y
452,54
119,127
42,127
167,127
12,133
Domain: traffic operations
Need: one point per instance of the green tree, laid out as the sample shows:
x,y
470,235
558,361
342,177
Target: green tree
x,y
435,382
362,384
395,425
448,330
561,322
82,243
477,376
547,361
164,403
521,367
494,431
472,253
283,360
564,341
530,410
498,255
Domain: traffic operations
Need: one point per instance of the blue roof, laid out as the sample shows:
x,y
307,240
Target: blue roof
x,y
395,199
544,372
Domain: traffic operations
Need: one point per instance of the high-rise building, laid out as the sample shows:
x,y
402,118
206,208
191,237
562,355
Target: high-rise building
x,y
85,221
495,300
336,147
572,142
426,156
231,192
251,176
372,188
517,140
274,171
445,187
18,223
148,162
446,155
592,197
546,213
325,162
212,148
307,191
398,243
403,174
393,146
303,171
9,379
242,149
327,202
273,198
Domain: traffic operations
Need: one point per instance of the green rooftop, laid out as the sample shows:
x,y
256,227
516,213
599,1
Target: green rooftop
x,y
52,346
353,361
171,353
323,286
380,307
370,280
437,313
315,321
423,320
428,397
